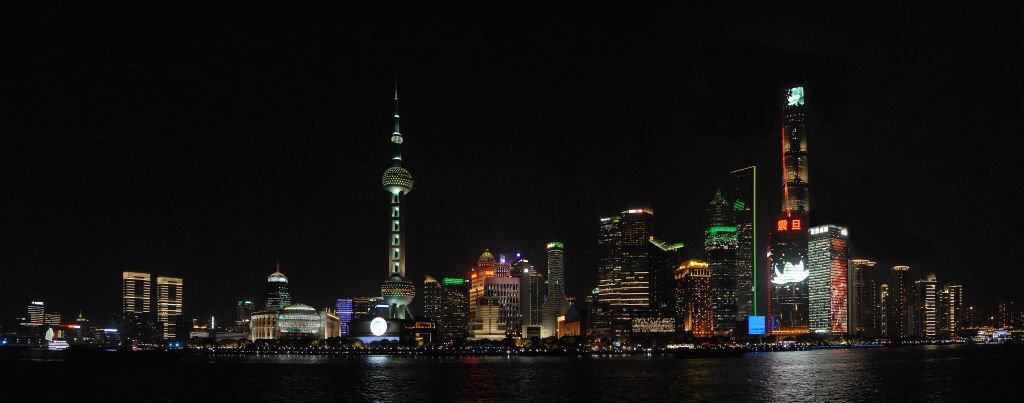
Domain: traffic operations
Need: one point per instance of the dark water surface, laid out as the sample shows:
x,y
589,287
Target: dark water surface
x,y
902,373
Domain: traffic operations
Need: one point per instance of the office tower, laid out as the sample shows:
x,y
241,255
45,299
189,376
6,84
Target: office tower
x,y
555,305
828,261
745,217
925,308
397,292
135,293
794,153
169,295
624,265
505,290
277,294
486,266
899,328
243,309
531,287
488,323
720,253
693,298
36,313
863,298
343,307
951,310
431,299
665,259
454,309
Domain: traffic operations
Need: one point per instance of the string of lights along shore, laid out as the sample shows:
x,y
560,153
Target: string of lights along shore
x,y
647,287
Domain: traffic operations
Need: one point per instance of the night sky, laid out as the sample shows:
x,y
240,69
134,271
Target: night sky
x,y
208,143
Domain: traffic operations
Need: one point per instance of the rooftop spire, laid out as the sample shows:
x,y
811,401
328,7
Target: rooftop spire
x,y
396,137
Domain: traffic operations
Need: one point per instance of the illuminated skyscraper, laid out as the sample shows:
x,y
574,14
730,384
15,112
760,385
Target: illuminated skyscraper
x,y
397,292
745,217
532,291
624,266
899,327
35,314
277,294
951,306
455,313
794,153
925,308
720,252
787,253
505,290
243,310
555,305
863,298
343,308
486,266
828,263
665,259
431,299
169,293
884,303
693,298
135,293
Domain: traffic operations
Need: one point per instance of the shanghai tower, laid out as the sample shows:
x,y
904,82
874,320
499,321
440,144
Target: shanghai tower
x,y
396,291
787,250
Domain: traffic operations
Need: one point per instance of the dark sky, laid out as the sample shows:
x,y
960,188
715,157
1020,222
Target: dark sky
x,y
208,142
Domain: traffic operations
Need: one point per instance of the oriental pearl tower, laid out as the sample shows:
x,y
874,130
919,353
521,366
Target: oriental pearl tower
x,y
397,292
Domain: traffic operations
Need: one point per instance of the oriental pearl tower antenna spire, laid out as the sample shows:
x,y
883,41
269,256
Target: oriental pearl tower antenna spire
x,y
397,292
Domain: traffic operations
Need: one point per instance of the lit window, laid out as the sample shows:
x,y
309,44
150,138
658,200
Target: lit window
x,y
394,240
394,225
394,211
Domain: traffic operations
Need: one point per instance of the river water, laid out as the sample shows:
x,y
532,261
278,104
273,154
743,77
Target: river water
x,y
900,373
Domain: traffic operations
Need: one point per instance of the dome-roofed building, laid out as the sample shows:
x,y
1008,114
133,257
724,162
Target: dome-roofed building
x,y
299,321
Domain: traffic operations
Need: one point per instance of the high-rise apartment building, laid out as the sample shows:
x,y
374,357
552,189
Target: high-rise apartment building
x,y
898,325
135,293
924,311
951,306
169,304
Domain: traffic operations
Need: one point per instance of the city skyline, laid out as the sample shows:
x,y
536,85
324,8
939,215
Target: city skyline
x,y
217,207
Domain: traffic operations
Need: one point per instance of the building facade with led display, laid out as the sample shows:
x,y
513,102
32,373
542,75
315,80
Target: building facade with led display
x,y
787,250
828,262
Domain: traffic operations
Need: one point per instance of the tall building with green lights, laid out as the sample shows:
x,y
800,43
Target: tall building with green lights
x,y
745,216
454,309
665,259
720,253
556,304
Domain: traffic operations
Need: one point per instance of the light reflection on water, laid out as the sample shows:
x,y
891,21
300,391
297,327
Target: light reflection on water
x,y
914,373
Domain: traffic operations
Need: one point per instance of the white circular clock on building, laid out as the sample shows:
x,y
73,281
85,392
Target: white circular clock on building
x,y
378,326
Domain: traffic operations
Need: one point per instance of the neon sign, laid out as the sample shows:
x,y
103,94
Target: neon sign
x,y
795,96
789,225
791,273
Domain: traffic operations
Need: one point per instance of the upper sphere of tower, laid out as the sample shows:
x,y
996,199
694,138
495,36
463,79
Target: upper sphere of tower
x,y
397,180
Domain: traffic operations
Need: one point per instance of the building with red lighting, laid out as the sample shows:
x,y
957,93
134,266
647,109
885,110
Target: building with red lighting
x,y
828,262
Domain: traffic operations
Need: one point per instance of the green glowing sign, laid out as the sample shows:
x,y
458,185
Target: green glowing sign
x,y
795,97
454,281
721,229
739,205
558,245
